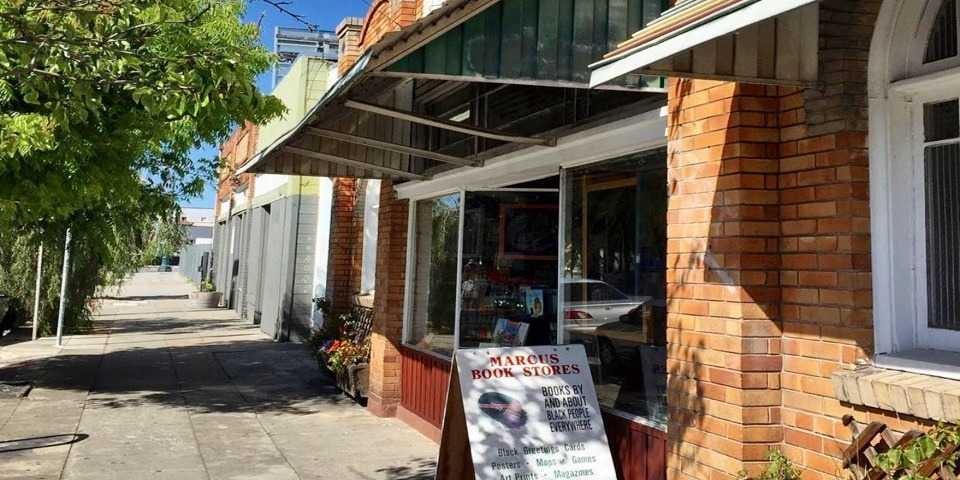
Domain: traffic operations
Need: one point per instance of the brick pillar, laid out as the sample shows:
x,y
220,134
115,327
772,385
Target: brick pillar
x,y
827,295
346,245
388,304
348,32
723,280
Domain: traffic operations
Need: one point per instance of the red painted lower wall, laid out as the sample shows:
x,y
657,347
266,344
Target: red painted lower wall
x,y
639,452
423,385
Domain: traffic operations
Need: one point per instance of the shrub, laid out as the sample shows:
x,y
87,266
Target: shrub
x,y
779,468
904,463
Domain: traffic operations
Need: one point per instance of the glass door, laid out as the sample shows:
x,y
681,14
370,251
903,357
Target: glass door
x,y
508,260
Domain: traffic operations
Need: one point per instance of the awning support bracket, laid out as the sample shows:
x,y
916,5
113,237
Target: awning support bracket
x,y
391,147
448,125
353,163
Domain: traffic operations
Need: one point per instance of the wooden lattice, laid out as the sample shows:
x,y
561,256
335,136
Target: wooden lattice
x,y
360,324
860,458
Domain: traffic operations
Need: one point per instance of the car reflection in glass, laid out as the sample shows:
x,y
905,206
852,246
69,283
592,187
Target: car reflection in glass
x,y
611,324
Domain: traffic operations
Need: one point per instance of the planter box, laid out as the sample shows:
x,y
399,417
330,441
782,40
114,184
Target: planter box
x,y
205,299
354,382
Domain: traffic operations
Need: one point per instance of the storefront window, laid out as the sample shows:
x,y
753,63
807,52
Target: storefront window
x,y
614,278
509,268
433,312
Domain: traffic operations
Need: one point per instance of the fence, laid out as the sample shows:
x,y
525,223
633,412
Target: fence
x,y
195,262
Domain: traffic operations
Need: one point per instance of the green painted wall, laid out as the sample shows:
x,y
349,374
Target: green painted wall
x,y
299,90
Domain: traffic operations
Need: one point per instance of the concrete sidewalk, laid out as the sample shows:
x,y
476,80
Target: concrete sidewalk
x,y
165,391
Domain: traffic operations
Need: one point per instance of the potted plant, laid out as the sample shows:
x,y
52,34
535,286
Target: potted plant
x,y
207,297
342,348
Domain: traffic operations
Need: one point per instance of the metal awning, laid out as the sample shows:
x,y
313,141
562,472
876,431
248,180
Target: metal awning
x,y
362,126
757,41
339,139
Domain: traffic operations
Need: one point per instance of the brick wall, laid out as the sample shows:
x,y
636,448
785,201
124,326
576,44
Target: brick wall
x,y
387,16
383,17
346,245
348,32
769,262
234,153
722,278
388,304
825,244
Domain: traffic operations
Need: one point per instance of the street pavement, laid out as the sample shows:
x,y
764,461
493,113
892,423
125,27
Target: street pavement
x,y
162,390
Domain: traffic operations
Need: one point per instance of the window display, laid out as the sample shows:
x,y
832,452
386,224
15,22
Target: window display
x,y
509,289
614,278
433,313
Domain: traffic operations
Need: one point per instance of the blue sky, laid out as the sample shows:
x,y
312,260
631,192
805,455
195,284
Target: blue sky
x,y
325,13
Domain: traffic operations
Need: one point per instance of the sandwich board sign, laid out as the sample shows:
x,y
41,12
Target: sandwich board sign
x,y
525,413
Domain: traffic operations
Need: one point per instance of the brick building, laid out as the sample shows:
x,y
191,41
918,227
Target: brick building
x,y
750,204
809,209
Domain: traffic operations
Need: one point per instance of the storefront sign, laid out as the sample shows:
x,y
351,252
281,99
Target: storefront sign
x,y
528,413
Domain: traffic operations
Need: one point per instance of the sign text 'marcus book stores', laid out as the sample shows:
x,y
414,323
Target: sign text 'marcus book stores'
x,y
529,414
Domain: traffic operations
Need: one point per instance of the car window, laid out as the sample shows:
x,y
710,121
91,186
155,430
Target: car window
x,y
574,292
601,292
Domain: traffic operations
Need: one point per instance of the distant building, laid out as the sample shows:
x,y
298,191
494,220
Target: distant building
x,y
199,225
290,43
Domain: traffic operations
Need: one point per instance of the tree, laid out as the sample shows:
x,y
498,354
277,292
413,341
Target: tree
x,y
101,103
96,93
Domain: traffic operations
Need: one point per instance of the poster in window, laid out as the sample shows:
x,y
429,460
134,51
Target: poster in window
x,y
528,231
510,334
534,302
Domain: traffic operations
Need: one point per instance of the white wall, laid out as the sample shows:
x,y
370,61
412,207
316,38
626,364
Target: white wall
x,y
266,183
431,5
371,210
322,249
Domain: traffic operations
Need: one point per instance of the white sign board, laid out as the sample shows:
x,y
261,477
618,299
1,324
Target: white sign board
x,y
531,414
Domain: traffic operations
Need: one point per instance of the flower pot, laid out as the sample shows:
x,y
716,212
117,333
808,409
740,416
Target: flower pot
x,y
205,299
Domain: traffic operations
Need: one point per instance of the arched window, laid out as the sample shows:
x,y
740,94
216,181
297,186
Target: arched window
x,y
915,180
942,41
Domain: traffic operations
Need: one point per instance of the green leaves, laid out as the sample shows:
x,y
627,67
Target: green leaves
x,y
89,89
904,463
101,103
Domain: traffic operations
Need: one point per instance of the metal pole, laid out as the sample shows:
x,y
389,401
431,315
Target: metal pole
x,y
36,296
63,289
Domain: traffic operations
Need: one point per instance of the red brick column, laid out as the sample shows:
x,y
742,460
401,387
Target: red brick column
x,y
723,278
827,295
388,304
343,277
826,281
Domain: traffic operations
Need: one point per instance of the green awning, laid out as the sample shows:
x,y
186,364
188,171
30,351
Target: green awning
x,y
542,42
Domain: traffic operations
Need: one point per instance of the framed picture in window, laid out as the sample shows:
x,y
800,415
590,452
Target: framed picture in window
x,y
528,231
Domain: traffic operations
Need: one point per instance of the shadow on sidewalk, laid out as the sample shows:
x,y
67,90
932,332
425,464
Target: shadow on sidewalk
x,y
46,441
223,377
167,325
140,298
417,469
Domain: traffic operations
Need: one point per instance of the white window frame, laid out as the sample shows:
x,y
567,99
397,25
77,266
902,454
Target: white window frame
x,y
919,48
410,272
900,84
643,132
927,337
411,259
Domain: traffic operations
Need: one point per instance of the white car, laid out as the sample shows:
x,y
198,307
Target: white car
x,y
591,303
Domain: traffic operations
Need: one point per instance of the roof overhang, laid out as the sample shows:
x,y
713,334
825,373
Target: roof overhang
x,y
361,126
757,41
368,154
